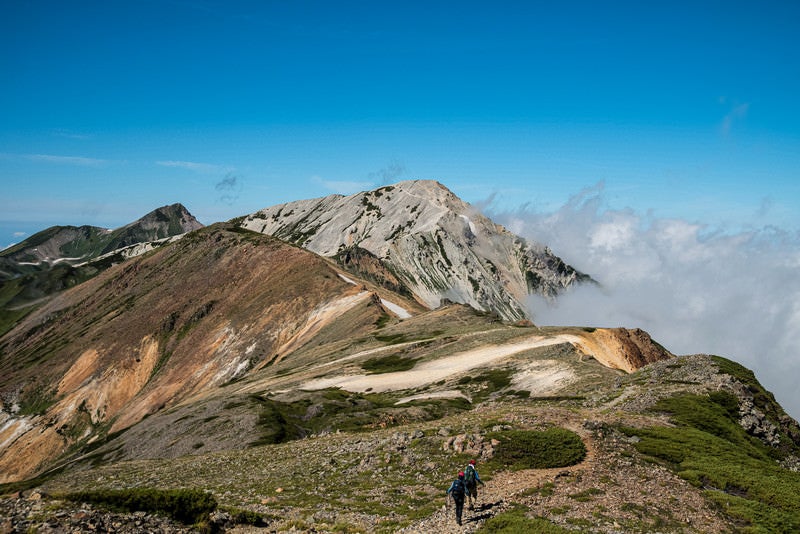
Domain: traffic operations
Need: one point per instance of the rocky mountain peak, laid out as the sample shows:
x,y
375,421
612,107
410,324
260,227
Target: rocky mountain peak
x,y
60,257
437,245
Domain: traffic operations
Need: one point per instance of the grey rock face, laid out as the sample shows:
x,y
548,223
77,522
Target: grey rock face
x,y
438,246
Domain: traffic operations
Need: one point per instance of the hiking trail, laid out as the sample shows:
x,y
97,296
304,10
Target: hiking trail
x,y
497,495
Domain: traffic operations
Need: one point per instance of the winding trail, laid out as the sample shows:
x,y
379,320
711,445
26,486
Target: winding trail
x,y
494,497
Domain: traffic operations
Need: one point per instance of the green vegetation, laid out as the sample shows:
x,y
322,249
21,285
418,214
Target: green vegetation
x,y
383,320
388,364
300,237
441,250
370,206
586,495
10,310
36,401
475,284
381,190
712,451
334,409
392,339
496,378
486,383
184,505
515,521
534,449
763,399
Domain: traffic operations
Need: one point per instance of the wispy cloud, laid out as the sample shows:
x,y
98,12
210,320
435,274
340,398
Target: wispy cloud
x,y
229,188
19,234
388,174
736,114
67,160
206,168
694,289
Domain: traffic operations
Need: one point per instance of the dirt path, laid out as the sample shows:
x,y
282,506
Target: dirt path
x,y
496,495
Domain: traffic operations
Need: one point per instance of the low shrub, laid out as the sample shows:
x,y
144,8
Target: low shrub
x,y
537,449
185,505
516,522
388,364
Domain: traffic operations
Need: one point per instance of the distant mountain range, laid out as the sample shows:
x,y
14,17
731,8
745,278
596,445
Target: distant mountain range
x,y
60,257
415,237
76,245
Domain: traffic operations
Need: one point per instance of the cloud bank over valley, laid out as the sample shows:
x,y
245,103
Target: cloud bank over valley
x,y
693,288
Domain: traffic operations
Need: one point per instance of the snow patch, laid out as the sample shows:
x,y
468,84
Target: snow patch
x,y
346,279
395,309
432,371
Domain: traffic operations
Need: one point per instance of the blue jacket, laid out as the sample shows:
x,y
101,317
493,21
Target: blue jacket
x,y
458,488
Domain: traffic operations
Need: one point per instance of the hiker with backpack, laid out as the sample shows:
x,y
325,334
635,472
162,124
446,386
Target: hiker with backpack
x,y
471,481
457,491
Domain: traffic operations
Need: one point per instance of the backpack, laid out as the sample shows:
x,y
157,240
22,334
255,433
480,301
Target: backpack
x,y
458,490
469,475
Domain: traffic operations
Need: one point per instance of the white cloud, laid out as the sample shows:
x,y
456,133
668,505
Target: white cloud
x,y
738,113
695,291
192,166
67,160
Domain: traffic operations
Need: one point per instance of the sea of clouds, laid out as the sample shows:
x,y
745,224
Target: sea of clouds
x,y
695,290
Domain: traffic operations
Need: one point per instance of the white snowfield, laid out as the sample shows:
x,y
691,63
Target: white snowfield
x,y
346,279
433,371
399,311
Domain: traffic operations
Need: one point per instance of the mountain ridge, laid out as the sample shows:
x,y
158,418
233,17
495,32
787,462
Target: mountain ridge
x,y
236,363
61,243
61,257
428,240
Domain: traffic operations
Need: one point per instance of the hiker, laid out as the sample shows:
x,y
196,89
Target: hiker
x,y
471,481
457,491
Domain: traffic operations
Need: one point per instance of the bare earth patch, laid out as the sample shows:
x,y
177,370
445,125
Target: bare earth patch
x,y
433,371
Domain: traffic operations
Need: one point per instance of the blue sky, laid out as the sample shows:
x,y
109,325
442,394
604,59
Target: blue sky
x,y
655,145
110,109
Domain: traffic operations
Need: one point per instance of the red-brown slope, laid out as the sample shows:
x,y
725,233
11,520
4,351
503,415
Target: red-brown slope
x,y
153,331
621,348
